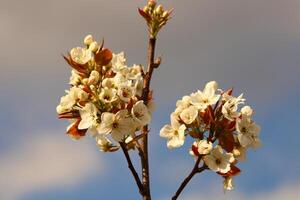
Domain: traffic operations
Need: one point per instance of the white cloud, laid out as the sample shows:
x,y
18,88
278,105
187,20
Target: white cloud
x,y
45,160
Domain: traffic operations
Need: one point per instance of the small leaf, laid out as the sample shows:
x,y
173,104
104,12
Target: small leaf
x,y
103,57
195,150
145,15
74,132
226,141
208,115
69,115
81,69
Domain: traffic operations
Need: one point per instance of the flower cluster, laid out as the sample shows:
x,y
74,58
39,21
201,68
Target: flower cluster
x,y
221,131
155,16
105,96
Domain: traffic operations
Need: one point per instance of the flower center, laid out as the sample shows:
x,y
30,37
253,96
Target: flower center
x,y
106,97
218,161
244,130
115,125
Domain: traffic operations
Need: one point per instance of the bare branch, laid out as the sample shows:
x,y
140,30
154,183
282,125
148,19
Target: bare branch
x,y
132,169
194,171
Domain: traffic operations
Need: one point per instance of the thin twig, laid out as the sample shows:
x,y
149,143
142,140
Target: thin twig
x,y
132,169
194,171
145,96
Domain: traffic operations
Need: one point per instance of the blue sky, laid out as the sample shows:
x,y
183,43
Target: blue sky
x,y
251,45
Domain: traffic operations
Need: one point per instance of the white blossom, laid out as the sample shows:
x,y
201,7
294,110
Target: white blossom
x,y
88,116
174,133
247,111
120,79
118,62
94,46
189,115
68,101
94,78
81,55
240,153
125,92
75,79
88,40
139,86
134,72
204,147
230,107
108,83
182,104
108,95
218,161
140,114
202,99
119,125
248,132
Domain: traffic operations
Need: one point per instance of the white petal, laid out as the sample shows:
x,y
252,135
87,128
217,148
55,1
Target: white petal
x,y
85,123
167,131
210,161
175,142
117,135
107,118
104,128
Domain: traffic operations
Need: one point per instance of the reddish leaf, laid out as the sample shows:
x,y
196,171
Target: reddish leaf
x,y
87,89
208,115
232,172
103,57
145,15
81,69
195,150
74,132
229,91
231,126
196,134
69,115
226,141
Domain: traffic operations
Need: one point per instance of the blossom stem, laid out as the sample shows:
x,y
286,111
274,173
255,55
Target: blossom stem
x,y
132,169
145,96
194,171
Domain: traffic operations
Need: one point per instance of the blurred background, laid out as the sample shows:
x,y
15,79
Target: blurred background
x,y
251,45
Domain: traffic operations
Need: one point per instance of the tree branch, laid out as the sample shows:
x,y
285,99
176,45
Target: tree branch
x,y
132,169
145,96
194,171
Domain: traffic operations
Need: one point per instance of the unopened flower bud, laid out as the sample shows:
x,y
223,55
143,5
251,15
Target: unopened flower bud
x,y
85,81
94,78
236,153
82,95
92,87
151,3
146,9
94,46
165,15
88,40
159,10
